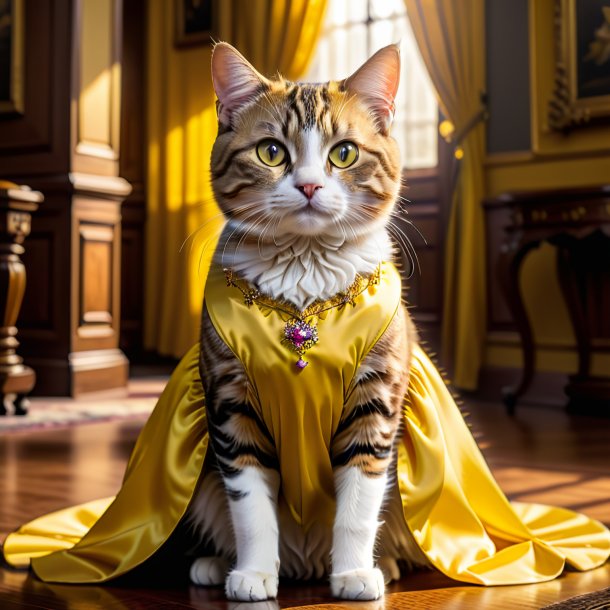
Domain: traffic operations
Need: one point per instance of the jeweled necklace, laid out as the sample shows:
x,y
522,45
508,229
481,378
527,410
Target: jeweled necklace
x,y
299,334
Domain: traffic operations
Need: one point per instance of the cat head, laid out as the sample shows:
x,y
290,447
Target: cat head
x,y
305,159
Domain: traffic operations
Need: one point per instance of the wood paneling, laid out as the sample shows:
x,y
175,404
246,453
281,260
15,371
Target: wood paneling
x,y
97,87
66,144
96,236
36,142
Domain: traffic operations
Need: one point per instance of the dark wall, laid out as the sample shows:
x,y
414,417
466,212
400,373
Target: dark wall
x,y
508,84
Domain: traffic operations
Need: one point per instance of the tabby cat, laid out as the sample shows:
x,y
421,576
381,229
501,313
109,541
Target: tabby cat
x,y
307,177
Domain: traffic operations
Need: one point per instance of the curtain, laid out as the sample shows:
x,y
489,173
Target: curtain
x,y
450,36
183,220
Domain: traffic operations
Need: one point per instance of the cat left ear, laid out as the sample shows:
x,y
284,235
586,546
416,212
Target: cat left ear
x,y
376,84
235,80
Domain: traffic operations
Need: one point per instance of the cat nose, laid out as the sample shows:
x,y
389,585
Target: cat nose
x,y
308,189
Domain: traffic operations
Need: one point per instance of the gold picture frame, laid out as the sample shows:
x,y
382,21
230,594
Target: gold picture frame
x,y
581,92
194,22
12,67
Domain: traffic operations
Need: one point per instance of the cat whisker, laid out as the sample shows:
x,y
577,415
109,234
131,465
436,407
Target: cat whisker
x,y
207,222
262,235
246,233
407,247
246,218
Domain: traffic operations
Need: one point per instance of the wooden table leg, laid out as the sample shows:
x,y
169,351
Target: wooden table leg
x,y
16,205
509,265
575,261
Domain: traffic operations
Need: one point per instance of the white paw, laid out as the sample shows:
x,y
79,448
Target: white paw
x,y
251,586
209,571
357,584
390,569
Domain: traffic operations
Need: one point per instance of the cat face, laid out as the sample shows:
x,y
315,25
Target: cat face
x,y
305,159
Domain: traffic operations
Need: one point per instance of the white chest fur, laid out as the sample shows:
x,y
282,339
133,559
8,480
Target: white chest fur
x,y
303,269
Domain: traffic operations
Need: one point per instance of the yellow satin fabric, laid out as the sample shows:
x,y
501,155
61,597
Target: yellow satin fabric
x,y
458,514
159,482
302,408
450,501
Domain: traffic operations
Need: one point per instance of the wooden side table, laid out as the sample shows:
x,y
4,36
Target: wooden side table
x,y
577,222
16,206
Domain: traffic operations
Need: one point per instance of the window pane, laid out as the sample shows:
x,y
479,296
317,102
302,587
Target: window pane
x,y
349,38
382,9
340,12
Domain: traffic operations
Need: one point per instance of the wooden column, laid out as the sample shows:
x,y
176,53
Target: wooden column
x,y
65,143
16,205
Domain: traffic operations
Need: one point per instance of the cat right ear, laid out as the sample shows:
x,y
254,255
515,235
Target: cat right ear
x,y
376,84
235,80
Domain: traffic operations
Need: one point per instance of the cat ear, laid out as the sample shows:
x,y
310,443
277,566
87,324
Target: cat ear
x,y
235,80
376,83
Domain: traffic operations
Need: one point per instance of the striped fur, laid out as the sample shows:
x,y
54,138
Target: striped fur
x,y
301,249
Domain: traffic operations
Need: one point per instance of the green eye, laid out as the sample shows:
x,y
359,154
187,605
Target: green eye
x,y
271,152
343,155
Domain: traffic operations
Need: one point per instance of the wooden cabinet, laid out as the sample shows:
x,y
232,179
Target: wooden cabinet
x,y
66,144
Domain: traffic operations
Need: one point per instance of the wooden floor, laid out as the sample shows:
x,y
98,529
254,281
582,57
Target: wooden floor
x,y
541,455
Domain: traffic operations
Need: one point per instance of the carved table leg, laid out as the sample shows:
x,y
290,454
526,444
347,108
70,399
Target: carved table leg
x,y
21,404
573,293
16,205
575,261
509,265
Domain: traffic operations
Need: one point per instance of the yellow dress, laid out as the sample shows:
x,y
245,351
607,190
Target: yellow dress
x,y
450,501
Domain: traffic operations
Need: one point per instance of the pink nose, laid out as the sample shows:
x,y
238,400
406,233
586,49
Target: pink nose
x,y
308,189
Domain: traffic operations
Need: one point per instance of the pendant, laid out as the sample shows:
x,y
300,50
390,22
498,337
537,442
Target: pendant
x,y
301,336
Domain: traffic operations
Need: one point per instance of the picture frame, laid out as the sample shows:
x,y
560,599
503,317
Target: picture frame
x,y
581,93
194,22
12,67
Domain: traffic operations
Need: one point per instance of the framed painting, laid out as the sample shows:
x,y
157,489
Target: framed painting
x,y
11,57
193,22
582,70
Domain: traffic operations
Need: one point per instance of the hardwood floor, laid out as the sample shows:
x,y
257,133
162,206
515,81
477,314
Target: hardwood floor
x,y
541,455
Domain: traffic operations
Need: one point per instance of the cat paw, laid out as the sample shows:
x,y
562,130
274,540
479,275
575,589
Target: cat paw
x,y
251,586
209,571
357,584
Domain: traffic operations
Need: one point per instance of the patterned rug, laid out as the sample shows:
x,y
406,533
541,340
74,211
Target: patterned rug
x,y
57,412
600,600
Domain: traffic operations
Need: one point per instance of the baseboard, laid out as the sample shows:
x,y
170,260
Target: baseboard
x,y
81,373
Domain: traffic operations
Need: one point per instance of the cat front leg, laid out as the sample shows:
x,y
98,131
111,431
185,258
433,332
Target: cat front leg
x,y
250,472
252,497
359,499
247,463
362,450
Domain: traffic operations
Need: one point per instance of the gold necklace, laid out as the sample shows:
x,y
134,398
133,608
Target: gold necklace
x,y
299,334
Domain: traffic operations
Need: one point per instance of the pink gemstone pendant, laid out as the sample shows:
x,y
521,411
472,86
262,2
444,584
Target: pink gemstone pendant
x,y
301,336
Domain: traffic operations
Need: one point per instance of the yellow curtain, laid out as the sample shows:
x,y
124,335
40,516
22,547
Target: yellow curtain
x,y
183,221
450,36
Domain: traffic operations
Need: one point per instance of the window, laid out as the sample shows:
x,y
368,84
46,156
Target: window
x,y
353,31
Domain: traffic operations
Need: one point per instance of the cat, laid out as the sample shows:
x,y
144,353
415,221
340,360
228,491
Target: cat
x,y
307,176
